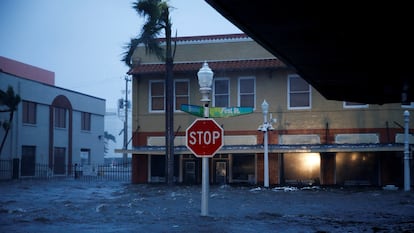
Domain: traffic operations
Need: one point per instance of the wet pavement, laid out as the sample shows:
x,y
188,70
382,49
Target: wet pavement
x,y
88,206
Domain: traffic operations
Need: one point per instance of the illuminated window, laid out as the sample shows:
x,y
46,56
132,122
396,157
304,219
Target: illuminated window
x,y
302,167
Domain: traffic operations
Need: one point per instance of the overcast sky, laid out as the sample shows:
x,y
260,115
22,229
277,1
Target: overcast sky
x,y
82,40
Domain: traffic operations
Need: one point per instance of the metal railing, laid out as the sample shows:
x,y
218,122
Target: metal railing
x,y
88,172
6,169
120,172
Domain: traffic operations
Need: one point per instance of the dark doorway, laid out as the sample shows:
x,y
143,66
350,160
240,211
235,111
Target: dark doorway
x,y
28,160
243,167
189,172
157,168
220,168
356,168
59,161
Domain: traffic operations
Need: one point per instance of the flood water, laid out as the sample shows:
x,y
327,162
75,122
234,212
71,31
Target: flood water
x,y
99,206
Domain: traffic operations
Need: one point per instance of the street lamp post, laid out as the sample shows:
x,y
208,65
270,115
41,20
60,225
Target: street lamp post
x,y
205,80
407,182
265,128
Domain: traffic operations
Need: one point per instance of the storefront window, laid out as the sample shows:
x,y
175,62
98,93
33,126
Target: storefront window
x,y
243,167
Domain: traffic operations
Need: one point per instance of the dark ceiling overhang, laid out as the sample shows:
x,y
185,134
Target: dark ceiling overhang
x,y
347,50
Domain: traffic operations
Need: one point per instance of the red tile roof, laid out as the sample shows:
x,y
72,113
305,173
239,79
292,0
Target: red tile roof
x,y
214,65
26,71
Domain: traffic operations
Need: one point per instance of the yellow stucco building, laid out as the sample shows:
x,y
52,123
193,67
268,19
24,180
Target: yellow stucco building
x,y
314,141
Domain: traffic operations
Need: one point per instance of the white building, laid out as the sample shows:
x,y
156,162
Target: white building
x,y
53,128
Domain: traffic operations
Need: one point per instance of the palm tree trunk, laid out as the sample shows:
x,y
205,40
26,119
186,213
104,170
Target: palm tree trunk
x,y
7,131
169,119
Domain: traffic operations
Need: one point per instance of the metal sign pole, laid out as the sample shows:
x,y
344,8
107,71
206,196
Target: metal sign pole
x,y
205,176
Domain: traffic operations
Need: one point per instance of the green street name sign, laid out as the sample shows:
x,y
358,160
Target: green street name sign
x,y
193,109
216,111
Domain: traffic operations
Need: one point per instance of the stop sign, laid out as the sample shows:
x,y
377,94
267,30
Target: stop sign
x,y
204,137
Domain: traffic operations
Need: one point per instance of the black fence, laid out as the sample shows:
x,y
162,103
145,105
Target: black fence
x,y
6,169
13,169
120,172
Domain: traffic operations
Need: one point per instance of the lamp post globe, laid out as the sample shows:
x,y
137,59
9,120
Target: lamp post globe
x,y
265,107
205,80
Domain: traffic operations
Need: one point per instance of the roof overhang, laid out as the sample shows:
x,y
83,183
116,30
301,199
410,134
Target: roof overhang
x,y
217,66
348,50
276,148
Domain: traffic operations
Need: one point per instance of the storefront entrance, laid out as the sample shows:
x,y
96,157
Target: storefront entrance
x,y
189,172
220,172
301,168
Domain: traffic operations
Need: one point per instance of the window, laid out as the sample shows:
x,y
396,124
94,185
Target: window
x,y
86,121
221,92
243,167
181,93
60,117
29,112
157,96
247,89
299,93
354,105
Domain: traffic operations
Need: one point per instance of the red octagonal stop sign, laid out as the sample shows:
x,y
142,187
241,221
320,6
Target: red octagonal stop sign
x,y
204,137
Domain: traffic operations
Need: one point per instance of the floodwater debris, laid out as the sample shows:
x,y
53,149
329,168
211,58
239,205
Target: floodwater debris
x,y
255,189
285,189
390,187
100,208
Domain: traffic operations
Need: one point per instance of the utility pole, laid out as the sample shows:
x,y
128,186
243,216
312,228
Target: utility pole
x,y
125,155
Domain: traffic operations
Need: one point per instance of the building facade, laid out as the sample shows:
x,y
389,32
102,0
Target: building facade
x,y
314,141
52,126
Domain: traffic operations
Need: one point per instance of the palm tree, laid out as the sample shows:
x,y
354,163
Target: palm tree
x,y
108,137
157,15
10,101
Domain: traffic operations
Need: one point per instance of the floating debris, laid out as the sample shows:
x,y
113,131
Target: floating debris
x,y
255,189
285,189
390,187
